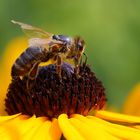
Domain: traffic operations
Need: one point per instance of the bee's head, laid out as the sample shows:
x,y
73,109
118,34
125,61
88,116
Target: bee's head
x,y
79,45
76,49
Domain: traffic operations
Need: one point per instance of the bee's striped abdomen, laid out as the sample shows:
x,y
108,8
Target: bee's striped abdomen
x,y
26,60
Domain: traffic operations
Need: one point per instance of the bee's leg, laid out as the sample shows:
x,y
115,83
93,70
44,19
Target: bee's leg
x,y
58,65
32,75
81,60
85,59
76,63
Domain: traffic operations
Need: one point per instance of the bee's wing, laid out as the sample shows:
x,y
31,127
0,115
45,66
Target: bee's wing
x,y
35,42
42,42
32,32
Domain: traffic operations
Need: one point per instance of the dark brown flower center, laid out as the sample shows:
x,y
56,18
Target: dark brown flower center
x,y
50,95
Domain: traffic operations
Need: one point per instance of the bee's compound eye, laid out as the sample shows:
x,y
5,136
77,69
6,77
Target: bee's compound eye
x,y
55,37
79,42
80,46
65,38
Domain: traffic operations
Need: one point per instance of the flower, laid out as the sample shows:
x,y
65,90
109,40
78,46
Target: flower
x,y
37,123
131,105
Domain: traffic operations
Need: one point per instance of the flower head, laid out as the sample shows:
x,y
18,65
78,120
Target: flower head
x,y
57,108
51,95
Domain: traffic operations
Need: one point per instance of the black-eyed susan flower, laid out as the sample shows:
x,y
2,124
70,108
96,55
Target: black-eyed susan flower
x,y
56,109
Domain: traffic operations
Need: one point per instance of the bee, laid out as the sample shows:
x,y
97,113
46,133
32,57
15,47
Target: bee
x,y
44,46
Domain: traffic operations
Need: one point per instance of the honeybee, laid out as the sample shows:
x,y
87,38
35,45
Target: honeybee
x,y
43,46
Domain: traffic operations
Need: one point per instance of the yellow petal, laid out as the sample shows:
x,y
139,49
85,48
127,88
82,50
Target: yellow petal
x,y
117,117
12,51
6,118
17,123
69,131
123,132
9,134
137,126
55,131
34,127
9,129
48,131
22,126
91,130
42,133
132,103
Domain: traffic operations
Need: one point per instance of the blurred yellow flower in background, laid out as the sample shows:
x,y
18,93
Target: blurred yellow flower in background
x,y
13,49
103,125
132,102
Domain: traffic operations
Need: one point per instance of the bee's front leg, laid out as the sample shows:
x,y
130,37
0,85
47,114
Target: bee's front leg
x,y
32,76
76,63
58,64
85,58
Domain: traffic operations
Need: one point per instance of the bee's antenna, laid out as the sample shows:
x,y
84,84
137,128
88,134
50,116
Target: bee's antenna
x,y
13,21
23,25
16,22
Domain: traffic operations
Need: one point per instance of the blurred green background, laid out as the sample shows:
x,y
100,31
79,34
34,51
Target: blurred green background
x,y
111,29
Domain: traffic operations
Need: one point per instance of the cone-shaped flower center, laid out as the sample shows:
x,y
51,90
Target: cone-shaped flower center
x,y
50,95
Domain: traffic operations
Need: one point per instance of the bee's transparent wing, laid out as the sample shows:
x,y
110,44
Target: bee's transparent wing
x,y
35,42
42,42
31,31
